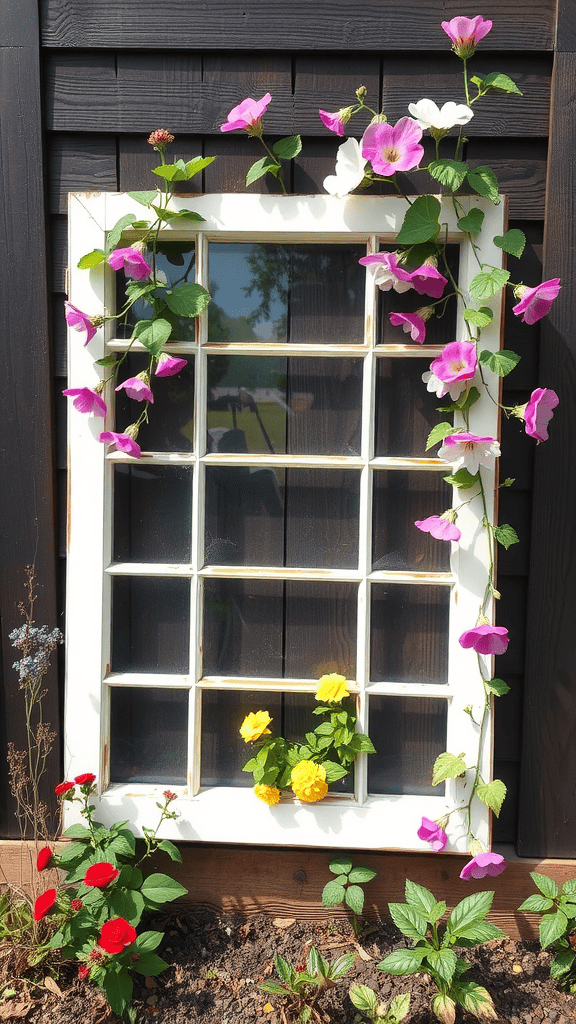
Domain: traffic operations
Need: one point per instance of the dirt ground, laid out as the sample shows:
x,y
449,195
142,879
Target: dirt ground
x,y
217,963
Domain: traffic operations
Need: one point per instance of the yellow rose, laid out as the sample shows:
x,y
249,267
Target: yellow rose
x,y
332,688
309,781
254,726
269,794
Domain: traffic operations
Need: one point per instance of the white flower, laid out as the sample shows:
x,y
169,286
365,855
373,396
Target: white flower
x,y
350,166
441,388
429,115
469,451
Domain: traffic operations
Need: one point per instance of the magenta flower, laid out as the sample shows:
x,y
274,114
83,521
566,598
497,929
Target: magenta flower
x,y
86,400
78,320
391,148
412,323
484,864
457,362
538,413
332,121
137,389
426,280
246,114
466,33
536,302
167,365
486,639
431,833
121,442
469,451
131,261
440,527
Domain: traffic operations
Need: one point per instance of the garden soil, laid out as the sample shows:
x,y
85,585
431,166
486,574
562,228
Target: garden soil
x,y
217,963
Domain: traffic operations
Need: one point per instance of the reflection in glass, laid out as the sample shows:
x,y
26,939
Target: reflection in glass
x,y
148,734
307,294
399,499
409,733
409,633
171,426
152,513
440,329
175,264
292,517
295,406
150,624
405,411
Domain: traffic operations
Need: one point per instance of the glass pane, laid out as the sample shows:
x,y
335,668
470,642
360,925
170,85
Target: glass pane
x,y
152,513
171,426
295,517
310,294
409,733
409,633
296,406
175,263
440,329
148,734
400,499
150,624
405,411
273,629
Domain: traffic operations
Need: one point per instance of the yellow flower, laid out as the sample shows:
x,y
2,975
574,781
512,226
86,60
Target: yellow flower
x,y
269,794
332,688
309,781
268,1008
254,726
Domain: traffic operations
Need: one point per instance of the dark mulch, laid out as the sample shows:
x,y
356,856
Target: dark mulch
x,y
217,964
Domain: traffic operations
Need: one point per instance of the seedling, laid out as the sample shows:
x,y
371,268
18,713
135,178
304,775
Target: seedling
x,y
365,1000
303,988
557,927
345,888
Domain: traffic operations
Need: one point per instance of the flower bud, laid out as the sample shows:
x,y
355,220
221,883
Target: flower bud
x,y
132,431
379,119
160,139
475,847
361,93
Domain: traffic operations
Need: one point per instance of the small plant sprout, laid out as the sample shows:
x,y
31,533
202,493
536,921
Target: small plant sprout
x,y
366,1001
346,888
557,926
302,989
432,952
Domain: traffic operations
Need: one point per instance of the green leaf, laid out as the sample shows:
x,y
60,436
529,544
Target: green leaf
x,y
169,215
147,941
498,687
273,986
360,874
364,999
502,362
187,299
537,904
77,831
141,225
127,903
462,479
333,771
469,911
159,888
341,965
408,919
117,985
475,999
324,729
479,317
472,221
153,334
485,284
448,172
480,931
116,232
447,766
149,964
419,897
91,259
123,844
172,851
332,894
284,970
569,887
547,886
106,361
259,169
421,222
438,433
403,961
512,242
492,794
443,962
145,198
552,927
468,399
444,1008
340,866
496,80
399,1007
287,149
363,743
506,535
562,963
181,171
484,182
354,897
314,962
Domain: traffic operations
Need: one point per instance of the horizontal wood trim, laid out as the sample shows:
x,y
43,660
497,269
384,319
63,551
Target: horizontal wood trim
x,y
295,24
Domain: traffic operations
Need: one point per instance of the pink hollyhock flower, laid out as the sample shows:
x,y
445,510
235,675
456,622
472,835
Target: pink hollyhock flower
x,y
441,527
391,148
131,261
167,365
469,450
86,400
137,389
412,323
486,639
333,122
536,302
431,833
426,280
78,321
466,33
538,413
121,442
457,362
246,114
484,864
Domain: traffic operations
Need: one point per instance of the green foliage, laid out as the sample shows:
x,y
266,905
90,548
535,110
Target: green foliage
x,y
302,988
496,81
484,182
487,283
558,925
366,1001
498,687
512,242
346,887
287,149
447,766
501,363
463,479
91,259
438,433
181,171
421,221
448,172
472,222
506,535
479,317
261,167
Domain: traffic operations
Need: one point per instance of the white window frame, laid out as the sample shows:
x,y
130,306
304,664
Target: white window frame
x,y
223,814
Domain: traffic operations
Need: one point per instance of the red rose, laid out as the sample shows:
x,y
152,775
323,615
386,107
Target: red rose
x,y
63,787
44,903
115,935
100,875
43,859
83,971
85,780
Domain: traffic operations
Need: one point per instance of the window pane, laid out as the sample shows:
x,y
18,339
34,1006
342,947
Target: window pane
x,y
152,513
150,624
148,734
175,261
287,293
440,329
409,633
405,411
409,733
171,426
400,499
296,406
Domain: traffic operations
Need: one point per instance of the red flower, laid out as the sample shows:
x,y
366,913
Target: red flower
x,y
85,780
43,859
95,954
44,903
76,905
169,795
115,935
63,787
83,971
100,875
